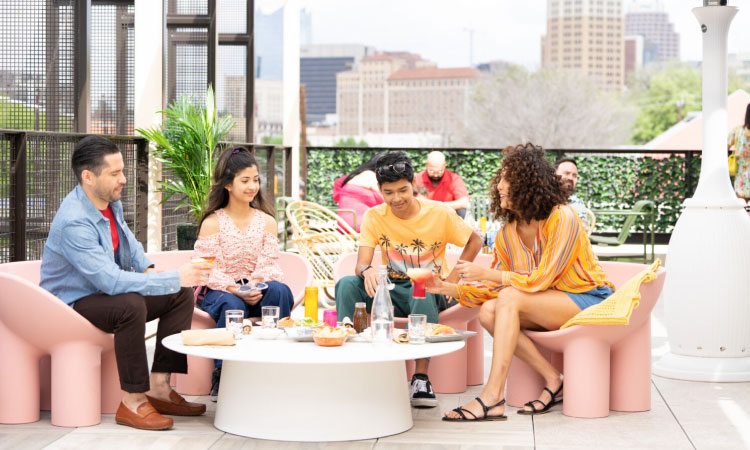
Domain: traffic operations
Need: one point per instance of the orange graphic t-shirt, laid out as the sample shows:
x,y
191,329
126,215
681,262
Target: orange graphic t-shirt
x,y
418,242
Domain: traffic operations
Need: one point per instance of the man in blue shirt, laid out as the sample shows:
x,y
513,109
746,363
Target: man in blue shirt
x,y
568,171
93,262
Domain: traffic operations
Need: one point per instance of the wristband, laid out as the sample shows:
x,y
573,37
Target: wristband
x,y
362,272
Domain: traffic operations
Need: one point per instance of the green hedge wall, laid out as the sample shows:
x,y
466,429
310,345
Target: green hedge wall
x,y
605,181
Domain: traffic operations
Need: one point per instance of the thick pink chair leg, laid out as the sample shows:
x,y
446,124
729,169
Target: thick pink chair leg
x,y
475,354
45,383
198,379
524,383
586,380
448,372
630,379
19,379
111,392
76,385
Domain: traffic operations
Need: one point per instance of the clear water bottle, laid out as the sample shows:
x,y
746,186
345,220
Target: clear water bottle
x,y
382,310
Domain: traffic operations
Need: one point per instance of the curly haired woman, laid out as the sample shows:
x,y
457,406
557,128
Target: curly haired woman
x,y
544,273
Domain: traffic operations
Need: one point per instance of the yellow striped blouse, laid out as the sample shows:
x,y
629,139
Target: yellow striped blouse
x,y
561,259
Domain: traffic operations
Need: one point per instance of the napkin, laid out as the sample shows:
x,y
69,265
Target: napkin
x,y
207,337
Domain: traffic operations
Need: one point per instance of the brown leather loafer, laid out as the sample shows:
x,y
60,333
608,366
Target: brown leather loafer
x,y
145,418
177,406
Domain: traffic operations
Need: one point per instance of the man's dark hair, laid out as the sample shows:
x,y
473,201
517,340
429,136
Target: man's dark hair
x,y
564,160
89,154
394,166
747,117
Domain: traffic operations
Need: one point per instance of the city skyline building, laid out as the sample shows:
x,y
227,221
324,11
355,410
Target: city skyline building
x,y
586,36
319,65
399,92
661,43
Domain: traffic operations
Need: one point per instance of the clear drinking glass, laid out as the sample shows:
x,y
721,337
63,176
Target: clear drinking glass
x,y
234,321
270,316
417,325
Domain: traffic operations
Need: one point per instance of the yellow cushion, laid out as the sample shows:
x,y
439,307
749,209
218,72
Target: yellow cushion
x,y
617,308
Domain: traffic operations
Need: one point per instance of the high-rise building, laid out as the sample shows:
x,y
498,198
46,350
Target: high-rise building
x,y
319,65
430,100
661,43
586,36
269,37
305,27
634,52
402,93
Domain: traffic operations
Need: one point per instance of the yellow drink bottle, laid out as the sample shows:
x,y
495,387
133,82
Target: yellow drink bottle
x,y
311,302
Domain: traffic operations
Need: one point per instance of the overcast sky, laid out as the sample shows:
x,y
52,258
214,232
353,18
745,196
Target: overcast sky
x,y
503,29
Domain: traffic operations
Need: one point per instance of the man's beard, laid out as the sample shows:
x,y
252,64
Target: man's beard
x,y
109,196
569,187
435,179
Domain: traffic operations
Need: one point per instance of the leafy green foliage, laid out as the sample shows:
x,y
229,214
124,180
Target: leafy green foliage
x,y
605,181
664,99
186,144
351,142
273,140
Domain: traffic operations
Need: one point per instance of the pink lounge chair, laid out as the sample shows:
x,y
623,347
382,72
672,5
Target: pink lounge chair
x,y
51,357
297,275
605,367
450,373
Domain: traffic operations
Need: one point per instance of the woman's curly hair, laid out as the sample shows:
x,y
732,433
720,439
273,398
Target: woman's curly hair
x,y
534,187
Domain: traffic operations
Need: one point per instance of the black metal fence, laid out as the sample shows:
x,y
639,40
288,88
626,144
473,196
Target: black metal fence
x,y
35,176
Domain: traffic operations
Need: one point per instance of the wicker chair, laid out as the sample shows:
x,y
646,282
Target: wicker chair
x,y
321,237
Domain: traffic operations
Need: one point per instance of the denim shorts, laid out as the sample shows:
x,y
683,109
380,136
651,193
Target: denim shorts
x,y
592,297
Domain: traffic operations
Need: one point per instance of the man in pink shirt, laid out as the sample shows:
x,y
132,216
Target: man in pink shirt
x,y
443,185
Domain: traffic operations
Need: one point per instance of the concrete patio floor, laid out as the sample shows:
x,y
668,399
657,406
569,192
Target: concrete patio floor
x,y
684,415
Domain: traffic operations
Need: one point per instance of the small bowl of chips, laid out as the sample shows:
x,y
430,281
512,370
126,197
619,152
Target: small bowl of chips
x,y
330,337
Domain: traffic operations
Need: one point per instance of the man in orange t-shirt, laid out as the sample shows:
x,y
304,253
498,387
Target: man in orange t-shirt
x,y
443,185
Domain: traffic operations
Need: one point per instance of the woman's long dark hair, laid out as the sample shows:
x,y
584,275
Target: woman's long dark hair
x,y
371,164
231,162
747,117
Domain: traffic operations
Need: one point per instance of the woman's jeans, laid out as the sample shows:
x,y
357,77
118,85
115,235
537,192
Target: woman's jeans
x,y
216,303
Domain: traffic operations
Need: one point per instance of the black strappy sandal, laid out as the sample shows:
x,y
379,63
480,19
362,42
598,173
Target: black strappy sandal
x,y
485,418
545,406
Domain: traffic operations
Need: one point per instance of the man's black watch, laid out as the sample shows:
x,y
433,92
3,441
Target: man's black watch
x,y
362,272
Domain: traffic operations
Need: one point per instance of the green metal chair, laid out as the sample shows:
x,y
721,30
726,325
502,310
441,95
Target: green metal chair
x,y
644,209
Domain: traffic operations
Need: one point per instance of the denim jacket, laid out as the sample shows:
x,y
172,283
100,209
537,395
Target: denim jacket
x,y
79,260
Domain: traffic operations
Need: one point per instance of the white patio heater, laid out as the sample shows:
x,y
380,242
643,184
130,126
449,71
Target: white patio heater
x,y
707,290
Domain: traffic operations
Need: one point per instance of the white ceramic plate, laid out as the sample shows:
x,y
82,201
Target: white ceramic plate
x,y
459,336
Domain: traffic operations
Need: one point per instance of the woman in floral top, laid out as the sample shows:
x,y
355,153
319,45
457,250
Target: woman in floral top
x,y
238,228
739,142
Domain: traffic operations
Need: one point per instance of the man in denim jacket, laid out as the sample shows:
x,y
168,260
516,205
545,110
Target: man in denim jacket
x,y
93,262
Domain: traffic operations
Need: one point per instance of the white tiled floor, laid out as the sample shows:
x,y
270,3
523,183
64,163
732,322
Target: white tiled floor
x,y
683,415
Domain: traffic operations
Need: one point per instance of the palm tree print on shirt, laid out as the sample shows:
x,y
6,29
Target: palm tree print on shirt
x,y
418,245
400,256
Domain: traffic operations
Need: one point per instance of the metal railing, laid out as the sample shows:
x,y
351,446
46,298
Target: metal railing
x,y
35,176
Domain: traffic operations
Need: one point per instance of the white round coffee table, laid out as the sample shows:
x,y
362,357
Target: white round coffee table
x,y
298,391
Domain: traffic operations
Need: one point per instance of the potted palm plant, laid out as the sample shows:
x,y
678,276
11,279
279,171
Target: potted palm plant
x,y
186,145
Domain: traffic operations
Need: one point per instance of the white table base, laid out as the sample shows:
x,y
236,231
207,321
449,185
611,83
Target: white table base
x,y
304,402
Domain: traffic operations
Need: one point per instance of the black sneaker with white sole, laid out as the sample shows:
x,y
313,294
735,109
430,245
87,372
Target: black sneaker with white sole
x,y
422,395
215,378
